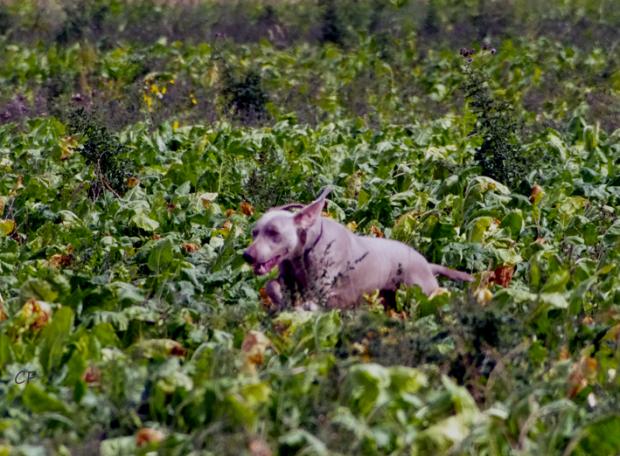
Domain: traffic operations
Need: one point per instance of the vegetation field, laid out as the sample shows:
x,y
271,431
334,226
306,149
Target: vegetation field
x,y
139,142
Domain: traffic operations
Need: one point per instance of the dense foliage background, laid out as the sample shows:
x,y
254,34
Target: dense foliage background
x,y
140,140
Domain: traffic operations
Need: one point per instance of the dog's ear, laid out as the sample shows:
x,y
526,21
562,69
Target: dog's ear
x,y
326,191
309,214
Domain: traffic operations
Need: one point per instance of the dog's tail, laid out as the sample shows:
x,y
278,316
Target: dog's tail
x,y
451,273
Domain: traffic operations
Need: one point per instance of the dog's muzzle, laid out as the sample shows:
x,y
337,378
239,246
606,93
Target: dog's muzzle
x,y
247,257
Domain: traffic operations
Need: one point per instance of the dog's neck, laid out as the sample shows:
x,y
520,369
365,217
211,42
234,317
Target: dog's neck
x,y
295,270
315,242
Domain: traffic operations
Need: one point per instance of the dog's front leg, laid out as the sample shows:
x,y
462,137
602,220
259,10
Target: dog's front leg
x,y
274,291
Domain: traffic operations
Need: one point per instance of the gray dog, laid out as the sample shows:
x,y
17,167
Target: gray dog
x,y
323,263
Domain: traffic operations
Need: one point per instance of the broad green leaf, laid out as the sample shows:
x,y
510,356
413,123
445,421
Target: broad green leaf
x,y
117,446
478,227
407,379
53,339
6,354
38,289
142,220
326,329
535,272
37,400
369,383
160,255
128,292
157,348
507,256
554,300
600,437
306,442
557,281
513,221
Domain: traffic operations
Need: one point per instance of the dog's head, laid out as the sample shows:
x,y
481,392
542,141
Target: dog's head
x,y
280,235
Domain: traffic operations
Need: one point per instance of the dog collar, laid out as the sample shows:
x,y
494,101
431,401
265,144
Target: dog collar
x,y
316,241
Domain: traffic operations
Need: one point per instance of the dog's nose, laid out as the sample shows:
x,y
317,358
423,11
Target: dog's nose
x,y
247,257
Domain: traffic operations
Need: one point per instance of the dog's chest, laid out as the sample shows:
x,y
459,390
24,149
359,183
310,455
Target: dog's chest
x,y
305,279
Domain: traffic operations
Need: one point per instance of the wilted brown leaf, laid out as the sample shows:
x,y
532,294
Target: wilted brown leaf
x,y
190,247
19,184
582,374
402,315
265,300
247,209
67,146
132,182
376,231
60,260
147,435
254,346
35,314
587,320
227,225
176,349
536,194
502,275
3,314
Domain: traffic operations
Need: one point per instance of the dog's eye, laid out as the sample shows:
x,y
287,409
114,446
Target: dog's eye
x,y
273,235
254,232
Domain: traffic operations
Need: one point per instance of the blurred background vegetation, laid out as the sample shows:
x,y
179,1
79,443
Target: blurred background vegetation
x,y
253,61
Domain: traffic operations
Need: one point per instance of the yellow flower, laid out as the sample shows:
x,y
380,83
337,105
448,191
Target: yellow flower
x,y
149,101
193,99
352,225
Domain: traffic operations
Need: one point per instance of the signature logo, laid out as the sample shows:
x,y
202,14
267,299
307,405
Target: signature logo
x,y
24,376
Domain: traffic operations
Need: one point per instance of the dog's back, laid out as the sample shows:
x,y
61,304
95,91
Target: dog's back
x,y
363,264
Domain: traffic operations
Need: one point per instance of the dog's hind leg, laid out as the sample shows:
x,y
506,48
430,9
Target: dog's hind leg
x,y
424,278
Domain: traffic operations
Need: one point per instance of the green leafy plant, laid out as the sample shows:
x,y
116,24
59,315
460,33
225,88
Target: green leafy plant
x,y
500,155
331,24
245,96
102,150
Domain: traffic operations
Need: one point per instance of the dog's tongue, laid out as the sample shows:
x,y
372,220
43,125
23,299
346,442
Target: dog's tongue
x,y
264,268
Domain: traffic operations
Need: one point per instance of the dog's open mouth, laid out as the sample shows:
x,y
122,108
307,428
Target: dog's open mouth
x,y
264,268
